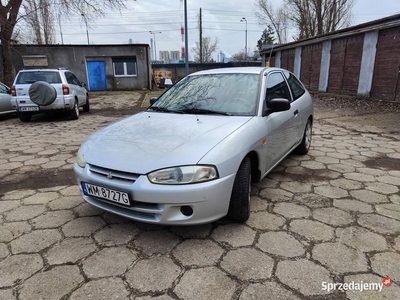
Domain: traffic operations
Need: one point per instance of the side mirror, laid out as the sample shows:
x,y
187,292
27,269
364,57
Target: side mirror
x,y
83,84
276,105
153,100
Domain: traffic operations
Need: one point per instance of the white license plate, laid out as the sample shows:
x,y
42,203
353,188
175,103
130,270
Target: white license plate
x,y
29,108
106,193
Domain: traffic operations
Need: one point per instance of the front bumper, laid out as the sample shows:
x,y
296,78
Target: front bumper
x,y
162,204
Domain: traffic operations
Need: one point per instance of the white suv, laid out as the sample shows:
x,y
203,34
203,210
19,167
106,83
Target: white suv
x,y
41,90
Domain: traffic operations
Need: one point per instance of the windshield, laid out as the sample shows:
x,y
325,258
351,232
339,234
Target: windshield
x,y
229,94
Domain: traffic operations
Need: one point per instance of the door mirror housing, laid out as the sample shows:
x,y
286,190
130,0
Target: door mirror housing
x,y
277,105
153,100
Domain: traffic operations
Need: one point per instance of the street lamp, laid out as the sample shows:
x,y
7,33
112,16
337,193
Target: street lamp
x,y
155,47
245,38
87,31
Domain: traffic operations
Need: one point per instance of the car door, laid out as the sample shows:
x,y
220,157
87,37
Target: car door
x,y
5,99
279,124
76,87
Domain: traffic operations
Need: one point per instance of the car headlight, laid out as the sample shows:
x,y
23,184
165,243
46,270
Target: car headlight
x,y
80,159
183,175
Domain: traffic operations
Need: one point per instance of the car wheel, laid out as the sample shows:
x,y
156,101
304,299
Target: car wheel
x,y
74,113
306,141
42,93
239,206
24,117
86,107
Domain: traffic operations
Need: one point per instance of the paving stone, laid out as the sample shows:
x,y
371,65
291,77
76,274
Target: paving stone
x,y
70,251
198,252
53,164
3,251
389,210
361,239
388,293
382,188
313,165
12,230
36,161
109,262
303,276
162,297
331,192
160,241
353,205
397,243
116,234
8,205
333,216
327,160
329,174
258,204
395,199
280,243
35,241
341,168
360,177
197,231
236,235
313,200
52,284
19,267
82,226
291,210
10,166
346,184
267,291
52,219
287,162
276,194
51,189
71,191
371,171
394,173
66,202
387,264
41,198
368,196
87,210
299,171
296,187
354,163
267,183
248,264
205,283
350,260
109,288
24,213
7,295
312,230
18,194
265,220
160,272
389,180
379,223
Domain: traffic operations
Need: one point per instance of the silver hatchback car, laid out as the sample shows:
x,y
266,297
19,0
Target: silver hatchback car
x,y
191,157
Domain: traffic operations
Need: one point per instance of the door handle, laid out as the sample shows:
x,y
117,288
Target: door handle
x,y
296,112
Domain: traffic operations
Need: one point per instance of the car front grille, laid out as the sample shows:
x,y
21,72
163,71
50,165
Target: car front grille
x,y
123,177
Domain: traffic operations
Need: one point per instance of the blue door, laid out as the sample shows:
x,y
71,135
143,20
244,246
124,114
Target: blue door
x,y
97,75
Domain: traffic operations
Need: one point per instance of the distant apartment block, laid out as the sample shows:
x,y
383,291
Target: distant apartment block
x,y
164,55
169,55
175,55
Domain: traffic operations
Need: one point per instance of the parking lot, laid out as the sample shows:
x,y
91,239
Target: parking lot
x,y
332,216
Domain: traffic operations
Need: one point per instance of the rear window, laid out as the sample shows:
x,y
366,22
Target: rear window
x,y
31,77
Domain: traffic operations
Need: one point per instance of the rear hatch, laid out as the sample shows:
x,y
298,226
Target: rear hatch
x,y
24,81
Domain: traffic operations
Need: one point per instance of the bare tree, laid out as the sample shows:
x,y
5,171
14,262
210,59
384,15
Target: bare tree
x,y
277,18
11,12
208,47
309,17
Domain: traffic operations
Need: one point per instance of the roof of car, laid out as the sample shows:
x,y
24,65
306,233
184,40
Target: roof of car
x,y
37,70
236,70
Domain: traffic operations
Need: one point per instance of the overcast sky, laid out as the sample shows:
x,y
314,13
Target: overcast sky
x,y
221,20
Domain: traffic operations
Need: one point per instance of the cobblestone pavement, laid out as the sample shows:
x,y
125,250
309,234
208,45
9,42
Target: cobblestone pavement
x,y
332,216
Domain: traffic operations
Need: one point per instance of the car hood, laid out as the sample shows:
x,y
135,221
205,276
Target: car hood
x,y
150,140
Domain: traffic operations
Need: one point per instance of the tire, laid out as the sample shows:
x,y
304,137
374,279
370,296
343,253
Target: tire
x,y
86,107
42,93
239,206
24,117
74,113
306,141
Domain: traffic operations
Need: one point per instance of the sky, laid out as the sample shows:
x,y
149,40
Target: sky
x,y
221,21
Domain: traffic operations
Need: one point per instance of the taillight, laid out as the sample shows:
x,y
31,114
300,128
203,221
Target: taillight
x,y
65,89
13,91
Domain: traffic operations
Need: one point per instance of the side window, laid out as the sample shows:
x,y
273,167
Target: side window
x,y
75,80
69,77
277,87
295,85
3,89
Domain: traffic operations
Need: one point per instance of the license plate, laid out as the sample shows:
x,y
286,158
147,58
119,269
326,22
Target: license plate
x,y
106,193
29,108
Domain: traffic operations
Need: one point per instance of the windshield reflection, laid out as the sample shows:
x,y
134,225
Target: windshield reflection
x,y
232,94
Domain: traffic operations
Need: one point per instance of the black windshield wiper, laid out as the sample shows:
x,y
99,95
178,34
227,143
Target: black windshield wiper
x,y
163,109
204,111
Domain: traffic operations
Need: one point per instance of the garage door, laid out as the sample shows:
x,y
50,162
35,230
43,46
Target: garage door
x,y
287,59
311,65
344,71
385,82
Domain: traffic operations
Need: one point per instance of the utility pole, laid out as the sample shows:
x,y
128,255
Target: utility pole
x,y
186,39
201,38
245,38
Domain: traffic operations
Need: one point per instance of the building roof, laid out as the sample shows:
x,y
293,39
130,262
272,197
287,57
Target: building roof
x,y
388,22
